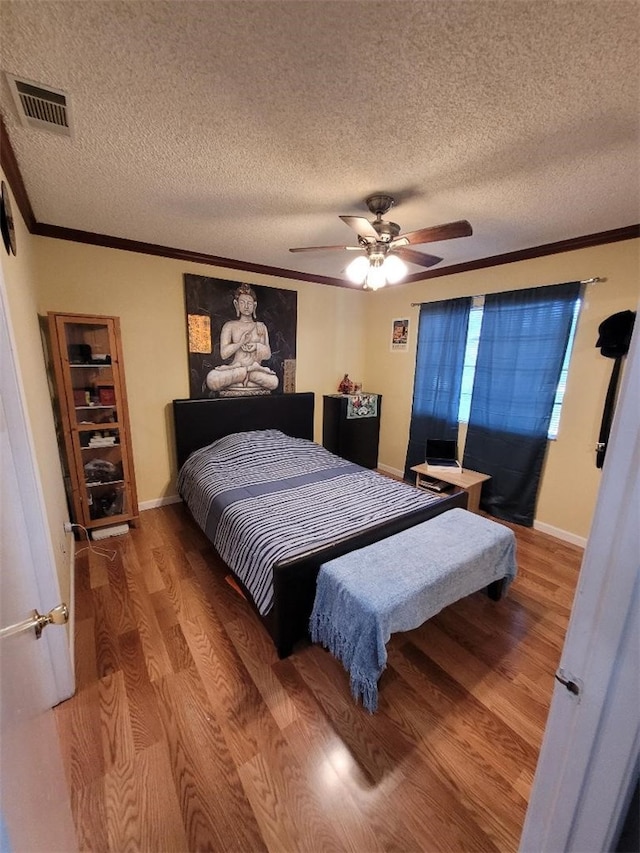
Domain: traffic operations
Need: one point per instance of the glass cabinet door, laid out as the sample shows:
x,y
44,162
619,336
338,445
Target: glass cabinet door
x,y
96,434
103,472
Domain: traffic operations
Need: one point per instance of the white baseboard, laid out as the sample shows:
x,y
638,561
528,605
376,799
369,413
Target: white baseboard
x,y
170,499
389,470
556,532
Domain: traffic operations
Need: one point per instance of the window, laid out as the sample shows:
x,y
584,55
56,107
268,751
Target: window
x,y
471,354
562,384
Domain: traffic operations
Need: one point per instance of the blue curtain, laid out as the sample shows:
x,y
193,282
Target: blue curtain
x,y
522,344
442,338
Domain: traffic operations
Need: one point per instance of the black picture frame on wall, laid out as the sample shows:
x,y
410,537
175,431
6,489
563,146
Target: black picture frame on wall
x,y
213,312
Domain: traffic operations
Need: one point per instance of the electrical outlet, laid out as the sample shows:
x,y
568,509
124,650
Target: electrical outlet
x,y
68,527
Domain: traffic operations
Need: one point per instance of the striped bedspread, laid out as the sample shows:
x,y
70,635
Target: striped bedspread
x,y
262,497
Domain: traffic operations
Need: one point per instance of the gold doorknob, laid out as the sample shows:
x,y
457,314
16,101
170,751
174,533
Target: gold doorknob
x,y
58,616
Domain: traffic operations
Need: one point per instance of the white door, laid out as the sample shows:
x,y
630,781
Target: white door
x,y
35,812
590,749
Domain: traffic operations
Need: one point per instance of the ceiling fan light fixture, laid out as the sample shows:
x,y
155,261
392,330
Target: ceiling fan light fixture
x,y
381,239
375,277
394,269
358,269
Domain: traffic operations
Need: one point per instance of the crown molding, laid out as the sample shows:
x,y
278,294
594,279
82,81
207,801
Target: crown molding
x,y
14,177
629,232
58,233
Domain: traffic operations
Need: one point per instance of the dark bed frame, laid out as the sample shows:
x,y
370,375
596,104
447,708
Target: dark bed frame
x,y
199,422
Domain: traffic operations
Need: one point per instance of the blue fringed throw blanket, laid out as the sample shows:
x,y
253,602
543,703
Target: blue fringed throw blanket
x,y
400,582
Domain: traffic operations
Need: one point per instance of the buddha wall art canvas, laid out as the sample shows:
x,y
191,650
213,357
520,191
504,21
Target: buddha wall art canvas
x,y
241,338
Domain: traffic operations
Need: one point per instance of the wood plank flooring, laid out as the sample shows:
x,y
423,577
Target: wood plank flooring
x,y
188,734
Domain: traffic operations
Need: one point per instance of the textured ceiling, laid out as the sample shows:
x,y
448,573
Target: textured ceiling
x,y
241,129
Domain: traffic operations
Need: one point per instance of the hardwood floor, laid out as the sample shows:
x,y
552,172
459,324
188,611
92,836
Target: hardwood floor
x,y
187,733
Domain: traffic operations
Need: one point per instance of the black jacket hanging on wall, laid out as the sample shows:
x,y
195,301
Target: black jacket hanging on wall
x,y
614,337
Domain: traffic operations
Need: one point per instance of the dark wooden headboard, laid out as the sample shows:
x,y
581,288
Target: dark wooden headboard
x,y
199,422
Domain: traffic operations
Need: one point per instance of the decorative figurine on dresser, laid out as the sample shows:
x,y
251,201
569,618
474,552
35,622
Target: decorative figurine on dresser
x,y
346,386
94,432
351,424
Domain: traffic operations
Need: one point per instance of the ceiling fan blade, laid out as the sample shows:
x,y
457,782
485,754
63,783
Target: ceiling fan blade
x,y
461,228
361,226
418,258
321,248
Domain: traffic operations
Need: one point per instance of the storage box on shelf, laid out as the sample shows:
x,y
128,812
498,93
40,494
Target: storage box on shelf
x,y
86,354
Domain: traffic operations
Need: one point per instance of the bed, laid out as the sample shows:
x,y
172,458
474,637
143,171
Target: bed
x,y
227,452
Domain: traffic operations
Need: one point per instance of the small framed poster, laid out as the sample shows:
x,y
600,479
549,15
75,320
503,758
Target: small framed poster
x,y
399,335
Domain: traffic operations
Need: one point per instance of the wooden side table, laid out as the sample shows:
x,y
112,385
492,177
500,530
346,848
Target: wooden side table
x,y
467,480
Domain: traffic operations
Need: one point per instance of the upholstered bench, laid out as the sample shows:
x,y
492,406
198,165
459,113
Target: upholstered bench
x,y
398,583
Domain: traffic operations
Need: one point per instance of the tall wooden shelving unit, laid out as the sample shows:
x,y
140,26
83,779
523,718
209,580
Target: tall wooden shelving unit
x,y
86,353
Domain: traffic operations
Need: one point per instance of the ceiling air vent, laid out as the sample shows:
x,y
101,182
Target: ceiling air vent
x,y
41,106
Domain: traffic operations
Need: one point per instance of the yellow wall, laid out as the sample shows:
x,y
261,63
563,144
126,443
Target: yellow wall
x,y
570,478
19,276
339,330
147,293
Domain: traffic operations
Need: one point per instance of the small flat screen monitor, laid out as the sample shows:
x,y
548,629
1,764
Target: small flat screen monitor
x,y
442,452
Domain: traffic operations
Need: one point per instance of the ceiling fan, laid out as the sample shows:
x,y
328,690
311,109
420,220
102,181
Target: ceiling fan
x,y
385,248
